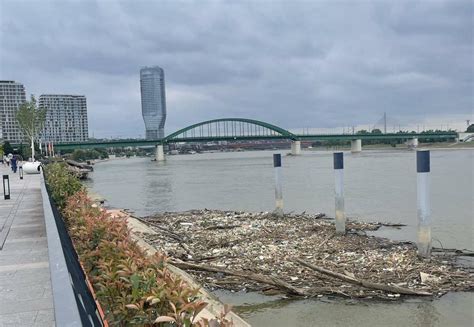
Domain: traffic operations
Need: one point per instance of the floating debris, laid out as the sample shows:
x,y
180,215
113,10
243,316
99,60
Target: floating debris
x,y
300,254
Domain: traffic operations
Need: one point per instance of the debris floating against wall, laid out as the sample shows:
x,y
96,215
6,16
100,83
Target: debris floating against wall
x,y
277,254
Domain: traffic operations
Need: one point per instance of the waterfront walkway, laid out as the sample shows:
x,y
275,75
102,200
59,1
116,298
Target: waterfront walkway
x,y
25,283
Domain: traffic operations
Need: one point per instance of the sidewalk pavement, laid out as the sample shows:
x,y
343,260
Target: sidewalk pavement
x,y
25,282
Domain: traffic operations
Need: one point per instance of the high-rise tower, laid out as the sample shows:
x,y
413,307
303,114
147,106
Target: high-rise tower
x,y
66,118
152,87
12,96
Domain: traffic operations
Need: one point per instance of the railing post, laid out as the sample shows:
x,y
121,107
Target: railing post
x,y
423,203
339,192
278,187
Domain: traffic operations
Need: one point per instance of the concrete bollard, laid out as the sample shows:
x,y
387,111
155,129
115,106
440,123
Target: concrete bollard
x,y
339,192
278,182
32,167
423,203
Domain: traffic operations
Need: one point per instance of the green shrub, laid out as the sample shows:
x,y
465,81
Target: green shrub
x,y
132,287
61,183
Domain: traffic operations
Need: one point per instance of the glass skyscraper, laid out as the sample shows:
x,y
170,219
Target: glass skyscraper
x,y
152,87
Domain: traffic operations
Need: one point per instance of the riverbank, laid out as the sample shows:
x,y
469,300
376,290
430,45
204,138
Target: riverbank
x,y
214,307
300,255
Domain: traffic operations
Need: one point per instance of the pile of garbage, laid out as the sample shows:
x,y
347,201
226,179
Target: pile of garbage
x,y
301,255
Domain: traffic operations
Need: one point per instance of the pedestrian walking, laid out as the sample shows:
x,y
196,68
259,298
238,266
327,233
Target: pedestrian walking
x,y
14,161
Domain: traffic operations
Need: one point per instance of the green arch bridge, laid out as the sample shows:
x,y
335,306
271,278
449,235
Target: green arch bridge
x,y
242,129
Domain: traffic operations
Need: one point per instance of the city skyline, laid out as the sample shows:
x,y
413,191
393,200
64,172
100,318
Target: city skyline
x,y
66,115
392,127
298,66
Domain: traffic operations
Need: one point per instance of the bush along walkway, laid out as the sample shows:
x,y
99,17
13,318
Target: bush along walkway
x,y
131,287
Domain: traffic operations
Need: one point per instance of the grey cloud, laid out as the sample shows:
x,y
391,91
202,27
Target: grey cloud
x,y
296,64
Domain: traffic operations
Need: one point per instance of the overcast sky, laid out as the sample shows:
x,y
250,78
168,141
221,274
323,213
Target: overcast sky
x,y
293,63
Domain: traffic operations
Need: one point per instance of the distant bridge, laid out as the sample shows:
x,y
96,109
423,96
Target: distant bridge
x,y
241,129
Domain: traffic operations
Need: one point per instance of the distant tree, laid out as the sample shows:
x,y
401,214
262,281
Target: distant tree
x,y
102,152
470,129
31,121
363,131
376,131
7,147
83,155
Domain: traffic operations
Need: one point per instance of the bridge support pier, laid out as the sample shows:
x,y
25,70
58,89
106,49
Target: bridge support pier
x,y
356,146
412,143
159,152
295,148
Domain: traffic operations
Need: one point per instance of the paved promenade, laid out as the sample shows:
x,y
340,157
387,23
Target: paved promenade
x,y
25,283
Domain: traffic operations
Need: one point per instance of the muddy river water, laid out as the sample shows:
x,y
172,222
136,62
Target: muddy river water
x,y
379,186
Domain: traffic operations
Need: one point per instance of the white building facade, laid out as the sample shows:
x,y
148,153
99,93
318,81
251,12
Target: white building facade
x,y
12,96
66,118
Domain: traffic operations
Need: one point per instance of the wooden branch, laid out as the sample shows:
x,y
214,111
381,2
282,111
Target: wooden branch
x,y
325,241
222,227
464,252
246,275
165,230
392,224
364,283
229,242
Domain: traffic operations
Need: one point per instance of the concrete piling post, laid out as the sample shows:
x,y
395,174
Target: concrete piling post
x,y
356,146
295,148
278,186
423,203
159,152
412,143
339,192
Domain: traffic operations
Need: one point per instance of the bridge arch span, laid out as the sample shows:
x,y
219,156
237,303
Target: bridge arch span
x,y
229,129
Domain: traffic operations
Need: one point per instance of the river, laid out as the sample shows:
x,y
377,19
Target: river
x,y
380,185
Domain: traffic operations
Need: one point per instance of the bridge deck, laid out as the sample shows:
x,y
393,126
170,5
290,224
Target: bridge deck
x,y
25,284
302,137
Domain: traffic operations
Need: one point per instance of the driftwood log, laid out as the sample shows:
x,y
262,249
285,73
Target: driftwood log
x,y
456,252
273,281
364,283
